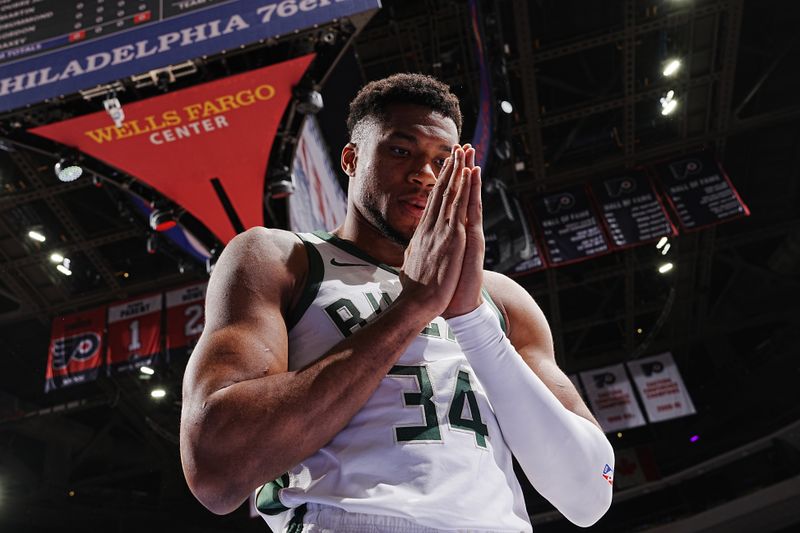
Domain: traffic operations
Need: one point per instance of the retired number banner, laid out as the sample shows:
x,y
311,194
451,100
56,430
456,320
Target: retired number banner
x,y
75,344
661,387
612,399
134,334
185,317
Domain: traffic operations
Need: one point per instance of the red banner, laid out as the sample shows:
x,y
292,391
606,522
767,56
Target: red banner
x,y
199,144
134,333
185,316
75,349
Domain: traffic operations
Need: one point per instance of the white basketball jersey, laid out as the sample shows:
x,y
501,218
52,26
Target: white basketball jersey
x,y
426,446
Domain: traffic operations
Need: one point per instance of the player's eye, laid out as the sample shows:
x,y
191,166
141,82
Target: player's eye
x,y
440,161
399,151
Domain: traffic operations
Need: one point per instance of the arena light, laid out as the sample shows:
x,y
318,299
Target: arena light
x,y
67,169
146,370
665,249
158,393
506,107
668,103
665,267
37,235
672,66
56,257
64,269
661,242
162,220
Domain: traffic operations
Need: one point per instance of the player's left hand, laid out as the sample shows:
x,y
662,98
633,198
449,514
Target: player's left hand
x,y
467,295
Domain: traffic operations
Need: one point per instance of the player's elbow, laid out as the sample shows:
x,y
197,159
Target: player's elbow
x,y
588,510
210,489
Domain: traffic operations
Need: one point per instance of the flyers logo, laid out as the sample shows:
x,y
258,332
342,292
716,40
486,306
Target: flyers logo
x,y
654,367
603,379
559,202
78,348
681,170
619,186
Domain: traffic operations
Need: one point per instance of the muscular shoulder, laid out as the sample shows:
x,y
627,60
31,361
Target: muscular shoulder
x,y
264,261
526,322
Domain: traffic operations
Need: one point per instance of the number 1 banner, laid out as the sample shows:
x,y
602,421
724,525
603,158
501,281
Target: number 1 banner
x,y
134,334
185,317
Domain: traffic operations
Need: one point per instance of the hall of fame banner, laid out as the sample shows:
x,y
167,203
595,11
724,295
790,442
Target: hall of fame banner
x,y
134,334
612,398
699,191
75,354
631,210
570,228
661,387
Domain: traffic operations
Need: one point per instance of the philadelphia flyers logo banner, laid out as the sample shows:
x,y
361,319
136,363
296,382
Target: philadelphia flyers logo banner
x,y
75,349
185,318
134,334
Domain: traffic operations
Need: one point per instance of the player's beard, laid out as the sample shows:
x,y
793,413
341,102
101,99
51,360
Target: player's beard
x,y
380,222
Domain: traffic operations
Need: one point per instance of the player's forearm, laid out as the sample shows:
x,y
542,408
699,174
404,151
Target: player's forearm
x,y
267,425
563,454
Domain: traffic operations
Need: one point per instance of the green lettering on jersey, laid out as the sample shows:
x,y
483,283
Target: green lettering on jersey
x,y
432,330
377,306
456,415
430,431
345,315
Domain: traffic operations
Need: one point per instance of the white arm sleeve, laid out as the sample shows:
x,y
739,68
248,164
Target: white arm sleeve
x,y
566,457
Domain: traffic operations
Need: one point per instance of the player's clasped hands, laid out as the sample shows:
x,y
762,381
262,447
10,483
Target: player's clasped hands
x,y
443,267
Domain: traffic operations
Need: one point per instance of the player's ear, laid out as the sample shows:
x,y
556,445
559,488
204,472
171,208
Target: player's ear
x,y
349,159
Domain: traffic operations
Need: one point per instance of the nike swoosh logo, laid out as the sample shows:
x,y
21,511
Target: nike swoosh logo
x,y
334,262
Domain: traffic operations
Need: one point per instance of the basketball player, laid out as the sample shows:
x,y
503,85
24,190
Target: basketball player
x,y
376,378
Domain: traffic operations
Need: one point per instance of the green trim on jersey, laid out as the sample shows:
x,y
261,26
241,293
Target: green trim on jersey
x,y
352,249
267,500
497,311
316,271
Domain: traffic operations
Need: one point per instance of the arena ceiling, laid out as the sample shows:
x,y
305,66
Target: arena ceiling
x,y
584,79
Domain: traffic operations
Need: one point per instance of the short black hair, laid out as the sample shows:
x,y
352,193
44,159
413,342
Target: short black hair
x,y
375,98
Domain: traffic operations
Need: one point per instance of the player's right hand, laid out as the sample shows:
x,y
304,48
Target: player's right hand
x,y
434,257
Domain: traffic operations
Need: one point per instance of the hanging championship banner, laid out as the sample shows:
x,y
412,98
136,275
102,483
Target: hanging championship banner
x,y
631,209
50,47
75,352
700,192
611,397
318,202
661,387
570,227
185,317
205,147
134,334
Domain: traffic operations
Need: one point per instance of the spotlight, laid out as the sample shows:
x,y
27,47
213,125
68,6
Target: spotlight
x,y
64,269
671,67
668,103
506,107
158,393
309,102
664,268
281,184
37,235
661,242
147,370
665,249
67,169
56,257
162,220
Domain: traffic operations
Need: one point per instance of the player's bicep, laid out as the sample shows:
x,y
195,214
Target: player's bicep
x,y
245,334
